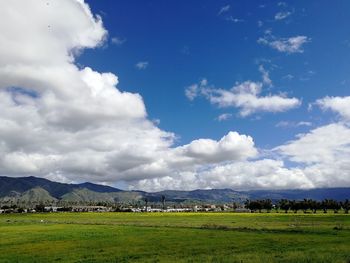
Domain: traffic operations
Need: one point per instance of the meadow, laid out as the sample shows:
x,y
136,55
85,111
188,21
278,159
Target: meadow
x,y
174,237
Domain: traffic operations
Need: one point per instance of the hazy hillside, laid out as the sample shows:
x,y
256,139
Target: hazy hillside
x,y
212,195
86,195
22,184
35,195
316,194
34,189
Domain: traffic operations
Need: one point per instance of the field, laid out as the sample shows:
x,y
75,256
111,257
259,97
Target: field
x,y
174,237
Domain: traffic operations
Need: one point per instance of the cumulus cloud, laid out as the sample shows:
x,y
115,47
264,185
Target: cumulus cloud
x,y
67,123
265,173
56,119
340,105
321,145
285,45
321,157
244,96
324,153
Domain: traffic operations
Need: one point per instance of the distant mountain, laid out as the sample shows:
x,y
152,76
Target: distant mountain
x,y
36,194
316,194
22,184
98,188
86,195
33,189
212,195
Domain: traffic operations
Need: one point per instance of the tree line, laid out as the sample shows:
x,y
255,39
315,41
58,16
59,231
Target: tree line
x,y
304,205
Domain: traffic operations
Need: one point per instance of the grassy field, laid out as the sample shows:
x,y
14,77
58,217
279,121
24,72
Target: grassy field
x,y
174,237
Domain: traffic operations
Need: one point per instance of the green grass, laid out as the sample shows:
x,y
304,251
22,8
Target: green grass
x,y
174,237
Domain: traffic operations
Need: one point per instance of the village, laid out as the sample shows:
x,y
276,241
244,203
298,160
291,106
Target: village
x,y
6,209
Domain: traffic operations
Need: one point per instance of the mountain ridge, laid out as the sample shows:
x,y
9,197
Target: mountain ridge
x,y
31,188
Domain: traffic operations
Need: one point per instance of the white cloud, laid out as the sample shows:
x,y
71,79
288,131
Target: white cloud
x,y
70,124
246,97
340,105
191,92
259,174
322,158
288,77
291,124
224,116
195,156
64,121
325,154
142,65
233,146
285,45
224,9
67,123
321,145
234,19
265,76
282,15
118,41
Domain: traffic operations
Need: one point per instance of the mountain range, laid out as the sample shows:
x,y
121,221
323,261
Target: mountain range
x,y
33,189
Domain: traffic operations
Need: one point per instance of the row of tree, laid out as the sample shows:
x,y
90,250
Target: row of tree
x,y
295,206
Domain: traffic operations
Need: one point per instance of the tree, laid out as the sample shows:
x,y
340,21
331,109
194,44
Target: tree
x,y
295,206
163,201
267,204
40,208
146,201
254,205
325,205
346,206
284,204
314,205
333,204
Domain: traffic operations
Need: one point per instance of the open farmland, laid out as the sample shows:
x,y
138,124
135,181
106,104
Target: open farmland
x,y
170,237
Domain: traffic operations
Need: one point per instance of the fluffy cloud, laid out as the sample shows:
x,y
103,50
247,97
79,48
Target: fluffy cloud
x,y
325,144
73,124
245,96
59,119
67,123
285,45
324,154
321,157
266,173
340,105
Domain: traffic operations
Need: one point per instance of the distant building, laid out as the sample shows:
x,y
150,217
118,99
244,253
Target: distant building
x,y
90,209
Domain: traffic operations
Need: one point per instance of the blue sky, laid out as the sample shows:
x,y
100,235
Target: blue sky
x,y
156,95
186,41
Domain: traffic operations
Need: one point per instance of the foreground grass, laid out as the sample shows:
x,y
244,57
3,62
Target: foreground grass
x,y
181,237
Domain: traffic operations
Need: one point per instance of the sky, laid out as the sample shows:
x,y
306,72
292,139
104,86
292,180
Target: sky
x,y
156,95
